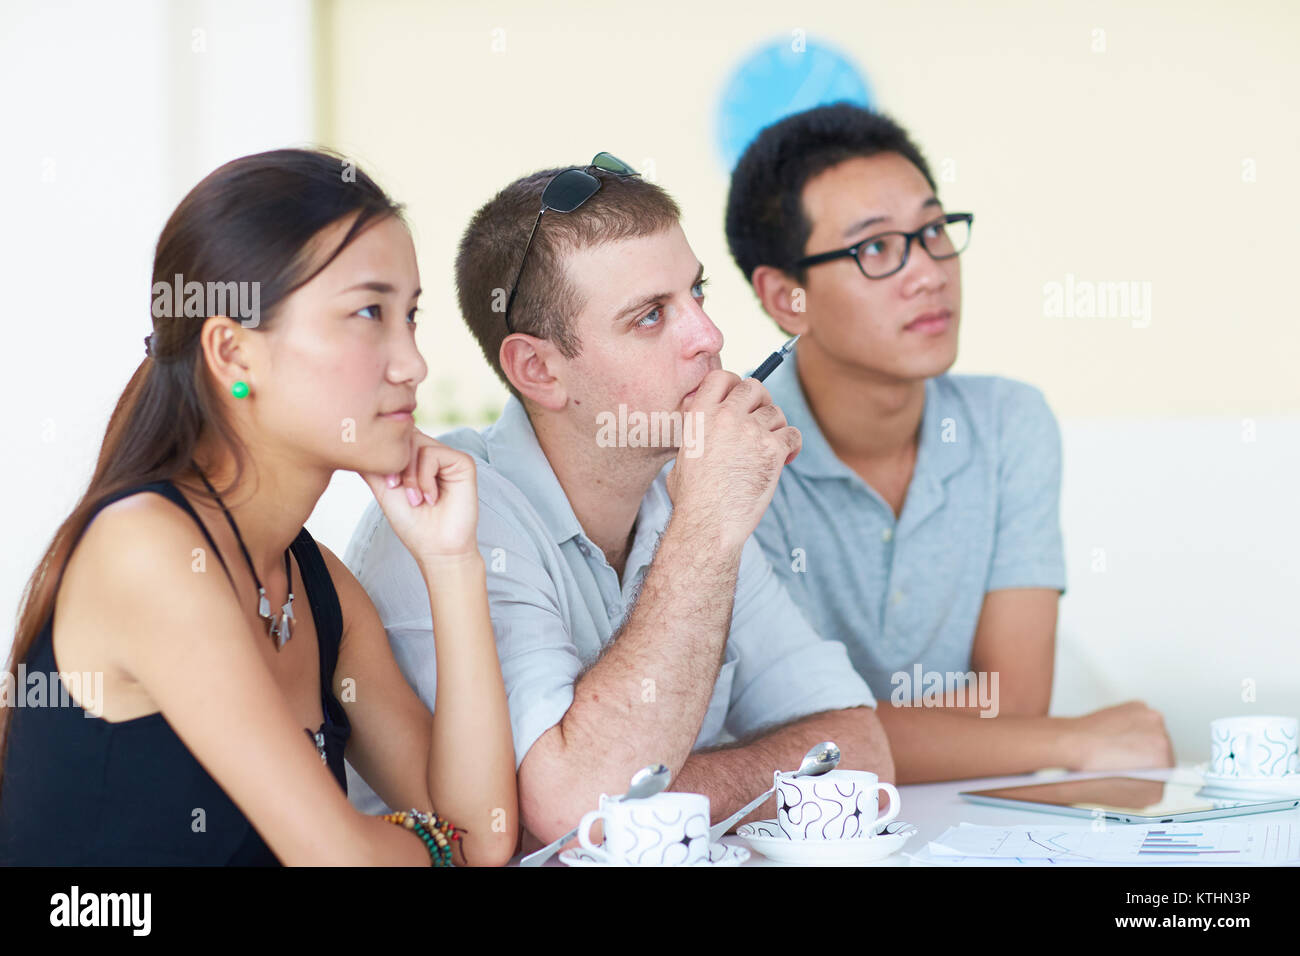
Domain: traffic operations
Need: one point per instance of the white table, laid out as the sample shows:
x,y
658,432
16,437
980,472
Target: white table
x,y
934,807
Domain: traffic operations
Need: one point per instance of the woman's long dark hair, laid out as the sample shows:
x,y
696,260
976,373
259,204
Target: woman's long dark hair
x,y
251,220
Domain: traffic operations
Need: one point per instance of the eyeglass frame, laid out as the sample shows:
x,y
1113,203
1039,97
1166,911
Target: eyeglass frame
x,y
594,164
852,251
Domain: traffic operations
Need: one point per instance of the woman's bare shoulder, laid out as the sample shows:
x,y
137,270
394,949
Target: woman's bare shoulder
x,y
136,570
139,557
143,527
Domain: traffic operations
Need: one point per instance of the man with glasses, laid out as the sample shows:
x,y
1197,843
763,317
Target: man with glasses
x,y
919,524
637,620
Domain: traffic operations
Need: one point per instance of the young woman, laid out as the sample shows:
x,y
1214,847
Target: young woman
x,y
241,661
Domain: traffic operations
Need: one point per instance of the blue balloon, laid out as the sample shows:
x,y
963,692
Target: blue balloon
x,y
777,80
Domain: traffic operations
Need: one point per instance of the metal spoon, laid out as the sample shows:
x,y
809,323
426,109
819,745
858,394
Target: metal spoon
x,y
821,759
646,782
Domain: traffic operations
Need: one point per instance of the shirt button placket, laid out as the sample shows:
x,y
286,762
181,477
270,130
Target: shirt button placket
x,y
894,631
893,634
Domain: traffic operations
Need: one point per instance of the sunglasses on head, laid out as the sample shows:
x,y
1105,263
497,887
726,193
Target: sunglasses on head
x,y
567,190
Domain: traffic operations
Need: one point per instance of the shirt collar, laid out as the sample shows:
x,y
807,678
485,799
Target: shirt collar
x,y
947,430
651,520
946,435
513,451
816,459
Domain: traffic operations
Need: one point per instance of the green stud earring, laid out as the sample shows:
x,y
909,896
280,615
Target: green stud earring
x,y
239,390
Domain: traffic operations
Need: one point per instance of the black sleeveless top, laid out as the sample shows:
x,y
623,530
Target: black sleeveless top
x,y
79,790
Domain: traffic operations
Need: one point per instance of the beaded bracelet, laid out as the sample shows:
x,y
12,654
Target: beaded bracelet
x,y
434,833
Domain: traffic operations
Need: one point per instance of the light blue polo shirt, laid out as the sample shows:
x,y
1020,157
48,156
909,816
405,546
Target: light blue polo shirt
x,y
981,514
556,602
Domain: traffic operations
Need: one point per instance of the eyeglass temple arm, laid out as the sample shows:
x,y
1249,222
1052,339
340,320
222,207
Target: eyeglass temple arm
x,y
514,286
825,257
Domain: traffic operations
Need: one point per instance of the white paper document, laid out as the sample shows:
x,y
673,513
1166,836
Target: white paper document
x,y
1207,843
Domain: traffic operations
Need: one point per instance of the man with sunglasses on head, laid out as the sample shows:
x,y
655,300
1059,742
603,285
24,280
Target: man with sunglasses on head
x,y
637,620
919,524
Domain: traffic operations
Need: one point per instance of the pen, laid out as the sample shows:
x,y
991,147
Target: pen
x,y
773,360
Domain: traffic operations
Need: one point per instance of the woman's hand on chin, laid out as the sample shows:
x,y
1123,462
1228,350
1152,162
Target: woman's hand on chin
x,y
432,504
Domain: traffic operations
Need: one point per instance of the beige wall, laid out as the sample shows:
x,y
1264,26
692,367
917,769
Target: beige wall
x,y
1169,157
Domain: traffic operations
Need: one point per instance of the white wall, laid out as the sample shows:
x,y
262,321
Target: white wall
x,y
1104,140
109,114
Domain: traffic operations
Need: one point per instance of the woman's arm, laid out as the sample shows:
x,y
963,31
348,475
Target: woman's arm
x,y
182,637
468,762
459,762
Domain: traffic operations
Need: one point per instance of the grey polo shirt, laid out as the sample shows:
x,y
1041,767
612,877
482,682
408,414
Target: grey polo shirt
x,y
981,514
555,602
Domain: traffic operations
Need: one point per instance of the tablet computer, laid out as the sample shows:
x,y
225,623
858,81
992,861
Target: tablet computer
x,y
1132,800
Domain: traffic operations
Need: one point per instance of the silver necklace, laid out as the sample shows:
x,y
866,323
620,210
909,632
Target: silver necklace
x,y
279,629
280,632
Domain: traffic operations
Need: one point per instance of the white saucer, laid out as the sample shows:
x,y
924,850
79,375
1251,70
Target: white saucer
x,y
719,855
1290,784
766,837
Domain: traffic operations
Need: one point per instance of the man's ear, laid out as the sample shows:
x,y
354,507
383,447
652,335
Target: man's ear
x,y
530,364
782,298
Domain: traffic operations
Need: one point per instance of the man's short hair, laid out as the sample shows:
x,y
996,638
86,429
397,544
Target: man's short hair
x,y
766,224
625,207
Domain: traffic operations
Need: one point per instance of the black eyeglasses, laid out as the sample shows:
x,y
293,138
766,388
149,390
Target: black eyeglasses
x,y
567,190
885,253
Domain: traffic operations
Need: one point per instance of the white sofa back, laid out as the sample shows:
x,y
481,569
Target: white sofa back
x,y
1183,571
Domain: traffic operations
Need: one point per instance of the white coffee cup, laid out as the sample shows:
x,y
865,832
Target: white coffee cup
x,y
668,829
839,805
1263,747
